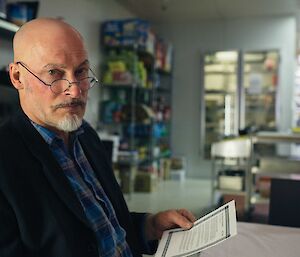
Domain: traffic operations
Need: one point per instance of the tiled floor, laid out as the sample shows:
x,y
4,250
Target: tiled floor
x,y
193,194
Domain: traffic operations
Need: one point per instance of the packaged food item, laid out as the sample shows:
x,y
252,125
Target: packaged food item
x,y
21,12
3,9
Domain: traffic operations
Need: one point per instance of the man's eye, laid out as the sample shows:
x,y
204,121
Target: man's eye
x,y
82,72
53,72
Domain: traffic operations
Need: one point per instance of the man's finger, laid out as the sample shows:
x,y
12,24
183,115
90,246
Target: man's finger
x,y
181,220
186,213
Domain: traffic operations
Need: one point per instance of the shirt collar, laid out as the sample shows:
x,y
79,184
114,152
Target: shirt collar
x,y
49,136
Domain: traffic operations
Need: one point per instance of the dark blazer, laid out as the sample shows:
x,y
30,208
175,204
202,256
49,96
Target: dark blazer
x,y
39,213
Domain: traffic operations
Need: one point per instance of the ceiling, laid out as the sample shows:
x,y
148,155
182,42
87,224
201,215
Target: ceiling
x,y
197,10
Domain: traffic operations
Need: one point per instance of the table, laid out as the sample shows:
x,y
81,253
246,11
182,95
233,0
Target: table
x,y
258,240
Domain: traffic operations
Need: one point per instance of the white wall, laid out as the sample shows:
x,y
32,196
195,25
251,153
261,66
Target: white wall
x,y
190,41
85,16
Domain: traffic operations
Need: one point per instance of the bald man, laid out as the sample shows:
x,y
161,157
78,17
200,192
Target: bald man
x,y
58,195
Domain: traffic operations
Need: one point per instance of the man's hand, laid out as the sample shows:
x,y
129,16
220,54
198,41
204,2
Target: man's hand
x,y
156,224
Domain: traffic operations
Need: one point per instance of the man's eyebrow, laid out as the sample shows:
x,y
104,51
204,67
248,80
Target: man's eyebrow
x,y
54,65
63,66
85,62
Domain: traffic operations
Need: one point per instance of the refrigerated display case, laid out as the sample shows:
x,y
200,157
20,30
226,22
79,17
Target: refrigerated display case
x,y
220,96
239,94
260,85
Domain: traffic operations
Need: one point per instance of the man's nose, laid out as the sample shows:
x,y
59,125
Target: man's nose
x,y
74,89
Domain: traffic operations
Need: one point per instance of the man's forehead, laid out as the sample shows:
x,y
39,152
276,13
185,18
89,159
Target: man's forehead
x,y
46,34
52,52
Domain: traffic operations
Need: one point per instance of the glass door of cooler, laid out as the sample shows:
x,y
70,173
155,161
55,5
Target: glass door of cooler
x,y
260,80
220,97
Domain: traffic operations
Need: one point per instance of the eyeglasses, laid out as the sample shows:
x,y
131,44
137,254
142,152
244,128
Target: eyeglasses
x,y
59,86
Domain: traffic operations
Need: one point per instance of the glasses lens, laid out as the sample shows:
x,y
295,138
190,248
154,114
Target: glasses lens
x,y
61,85
86,83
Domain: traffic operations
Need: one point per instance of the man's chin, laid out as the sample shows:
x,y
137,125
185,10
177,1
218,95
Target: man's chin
x,y
69,123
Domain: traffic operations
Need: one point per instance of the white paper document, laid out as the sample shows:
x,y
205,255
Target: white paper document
x,y
207,231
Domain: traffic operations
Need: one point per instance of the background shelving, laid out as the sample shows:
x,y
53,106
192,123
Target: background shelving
x,y
259,158
7,29
135,97
8,96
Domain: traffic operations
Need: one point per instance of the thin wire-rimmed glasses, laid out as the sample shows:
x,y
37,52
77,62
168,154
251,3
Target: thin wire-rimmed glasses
x,y
59,86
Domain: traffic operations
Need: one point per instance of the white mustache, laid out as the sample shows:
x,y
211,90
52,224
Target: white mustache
x,y
69,104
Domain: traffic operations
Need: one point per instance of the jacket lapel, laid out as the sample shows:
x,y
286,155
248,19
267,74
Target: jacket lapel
x,y
95,153
51,168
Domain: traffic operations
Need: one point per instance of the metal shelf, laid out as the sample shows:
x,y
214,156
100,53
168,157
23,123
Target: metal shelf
x,y
258,199
243,149
121,85
133,94
8,29
234,192
273,165
275,137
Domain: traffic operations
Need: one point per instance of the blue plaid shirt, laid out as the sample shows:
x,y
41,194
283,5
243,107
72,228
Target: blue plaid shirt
x,y
97,207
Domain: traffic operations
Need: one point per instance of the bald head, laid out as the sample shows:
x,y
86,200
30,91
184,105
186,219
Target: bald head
x,y
48,50
42,32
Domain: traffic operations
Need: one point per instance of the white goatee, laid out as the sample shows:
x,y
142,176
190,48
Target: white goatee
x,y
69,123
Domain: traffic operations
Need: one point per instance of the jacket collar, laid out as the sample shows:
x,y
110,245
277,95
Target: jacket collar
x,y
39,148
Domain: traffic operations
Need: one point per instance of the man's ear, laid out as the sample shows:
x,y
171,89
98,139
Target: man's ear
x,y
14,75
